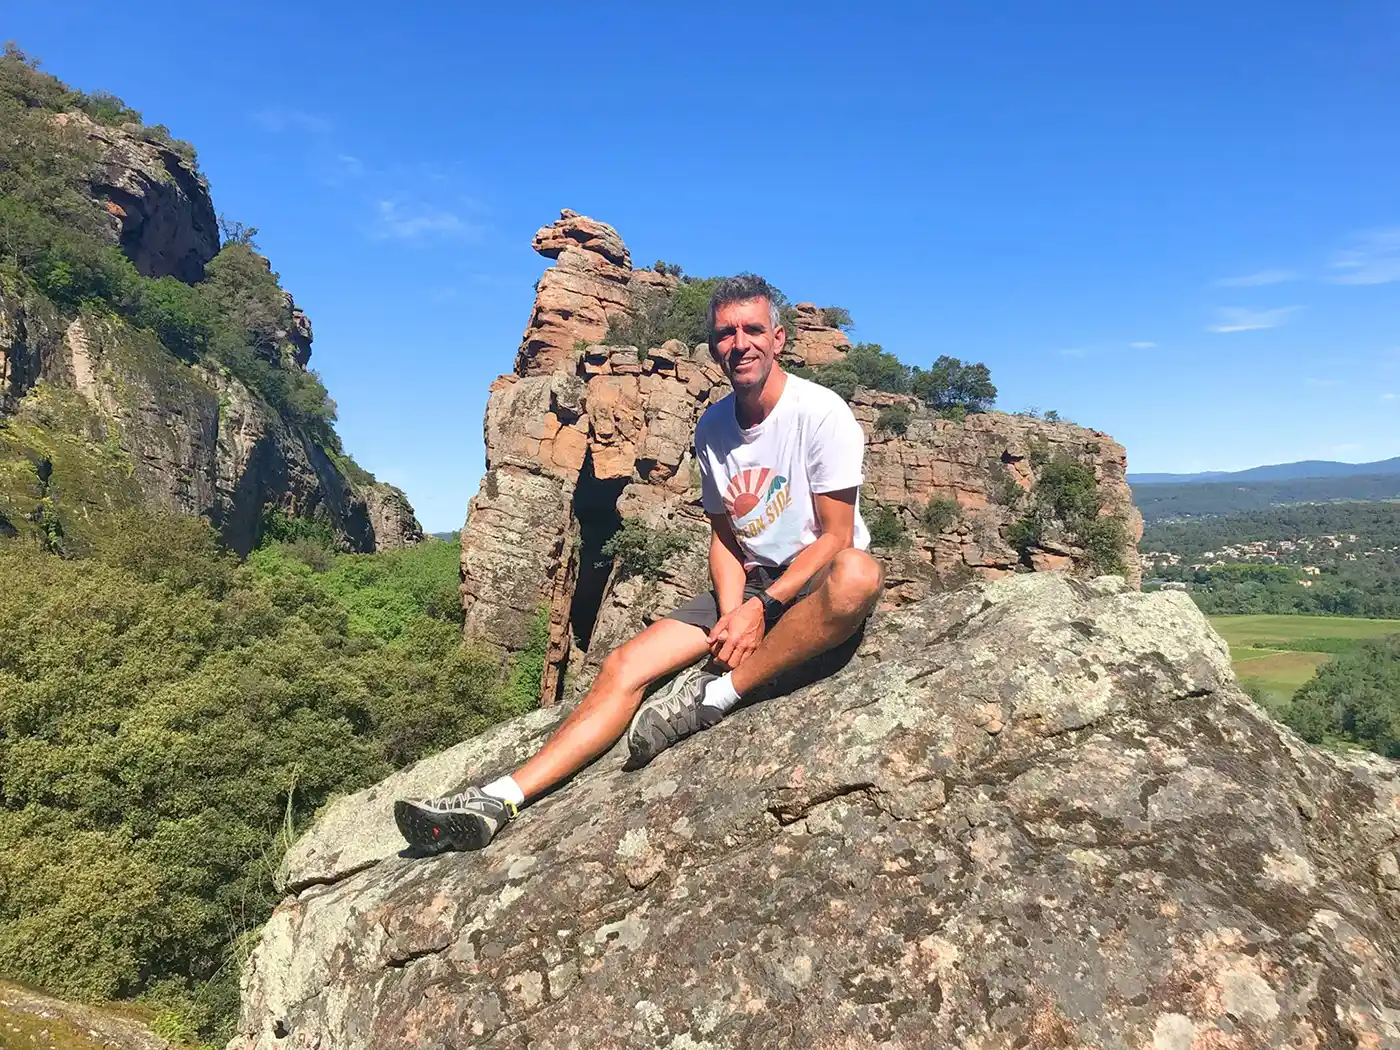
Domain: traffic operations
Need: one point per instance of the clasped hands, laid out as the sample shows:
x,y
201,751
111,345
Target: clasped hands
x,y
738,633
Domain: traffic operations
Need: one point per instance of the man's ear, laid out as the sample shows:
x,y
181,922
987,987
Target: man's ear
x,y
779,338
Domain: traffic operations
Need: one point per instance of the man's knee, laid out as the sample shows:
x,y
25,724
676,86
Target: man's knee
x,y
855,583
623,669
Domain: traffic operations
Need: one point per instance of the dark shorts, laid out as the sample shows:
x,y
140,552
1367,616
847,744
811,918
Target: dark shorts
x,y
702,611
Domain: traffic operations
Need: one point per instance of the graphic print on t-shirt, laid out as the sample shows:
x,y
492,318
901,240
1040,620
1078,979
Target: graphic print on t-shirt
x,y
756,499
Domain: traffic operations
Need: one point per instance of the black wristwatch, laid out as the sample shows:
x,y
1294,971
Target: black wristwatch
x,y
771,605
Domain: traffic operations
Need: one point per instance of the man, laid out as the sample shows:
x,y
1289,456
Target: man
x,y
780,466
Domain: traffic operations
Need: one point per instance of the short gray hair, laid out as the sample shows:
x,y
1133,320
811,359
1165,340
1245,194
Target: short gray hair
x,y
742,289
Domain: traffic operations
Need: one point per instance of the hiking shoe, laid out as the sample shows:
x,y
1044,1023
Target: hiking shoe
x,y
670,716
466,820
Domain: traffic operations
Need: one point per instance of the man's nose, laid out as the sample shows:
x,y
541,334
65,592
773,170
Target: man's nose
x,y
742,340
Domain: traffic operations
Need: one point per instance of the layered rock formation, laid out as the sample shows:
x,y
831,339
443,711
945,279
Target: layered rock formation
x,y
188,437
193,439
582,435
156,201
1035,812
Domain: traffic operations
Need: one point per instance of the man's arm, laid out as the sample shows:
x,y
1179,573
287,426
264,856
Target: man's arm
x,y
726,564
836,511
740,630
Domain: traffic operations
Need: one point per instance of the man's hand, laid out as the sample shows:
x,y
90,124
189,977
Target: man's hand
x,y
738,633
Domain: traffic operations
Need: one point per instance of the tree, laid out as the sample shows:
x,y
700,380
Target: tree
x,y
950,383
234,232
837,317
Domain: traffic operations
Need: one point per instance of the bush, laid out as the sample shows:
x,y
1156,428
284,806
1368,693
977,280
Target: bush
x,y
1066,495
950,383
837,317
1353,699
639,549
893,419
886,528
173,719
940,513
682,314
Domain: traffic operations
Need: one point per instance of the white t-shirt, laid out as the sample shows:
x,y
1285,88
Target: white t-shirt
x,y
764,477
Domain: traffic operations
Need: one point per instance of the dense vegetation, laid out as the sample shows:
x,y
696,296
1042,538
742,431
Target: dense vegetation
x,y
1065,505
53,247
172,718
1170,501
1354,699
1357,576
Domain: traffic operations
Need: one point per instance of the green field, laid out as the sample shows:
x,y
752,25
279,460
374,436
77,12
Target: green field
x,y
1280,672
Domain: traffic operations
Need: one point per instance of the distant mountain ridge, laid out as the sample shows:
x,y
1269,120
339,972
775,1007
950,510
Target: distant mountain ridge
x,y
1308,468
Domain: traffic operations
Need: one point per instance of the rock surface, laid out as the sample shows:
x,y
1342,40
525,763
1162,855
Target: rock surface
x,y
582,432
156,202
30,1020
1035,812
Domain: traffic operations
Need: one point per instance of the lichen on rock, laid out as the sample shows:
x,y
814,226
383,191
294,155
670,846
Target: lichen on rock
x,y
1036,811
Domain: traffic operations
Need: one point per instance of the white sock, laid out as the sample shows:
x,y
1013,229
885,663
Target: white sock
x,y
720,694
507,790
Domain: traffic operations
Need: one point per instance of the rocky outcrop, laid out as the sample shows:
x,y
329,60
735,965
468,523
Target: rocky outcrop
x,y
391,520
811,340
590,283
156,202
1031,812
30,1020
583,434
192,438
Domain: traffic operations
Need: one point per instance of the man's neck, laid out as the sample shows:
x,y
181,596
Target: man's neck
x,y
751,407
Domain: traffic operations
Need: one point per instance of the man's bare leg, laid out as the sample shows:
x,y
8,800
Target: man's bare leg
x,y
821,621
602,716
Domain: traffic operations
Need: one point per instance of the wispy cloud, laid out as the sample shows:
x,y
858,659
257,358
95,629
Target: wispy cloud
x,y
1372,258
279,119
1387,397
1347,448
1143,345
1073,351
1258,280
409,220
1241,319
1324,382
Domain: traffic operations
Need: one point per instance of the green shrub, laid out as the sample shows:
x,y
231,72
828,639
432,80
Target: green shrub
x,y
837,317
838,377
1066,493
526,676
173,719
950,383
639,549
940,513
1353,699
886,528
1003,489
893,419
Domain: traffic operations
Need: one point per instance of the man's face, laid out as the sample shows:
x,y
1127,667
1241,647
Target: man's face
x,y
746,343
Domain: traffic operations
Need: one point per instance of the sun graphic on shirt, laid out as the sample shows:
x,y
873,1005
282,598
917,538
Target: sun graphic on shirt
x,y
747,487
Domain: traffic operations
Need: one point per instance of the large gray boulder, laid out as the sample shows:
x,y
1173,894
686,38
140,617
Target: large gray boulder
x,y
1036,812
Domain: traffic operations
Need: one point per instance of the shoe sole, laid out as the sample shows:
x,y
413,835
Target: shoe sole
x,y
431,830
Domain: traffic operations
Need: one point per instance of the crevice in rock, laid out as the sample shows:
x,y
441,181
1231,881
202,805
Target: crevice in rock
x,y
402,962
595,510
789,812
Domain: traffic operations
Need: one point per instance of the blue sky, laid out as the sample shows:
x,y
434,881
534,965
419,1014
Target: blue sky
x,y
1175,222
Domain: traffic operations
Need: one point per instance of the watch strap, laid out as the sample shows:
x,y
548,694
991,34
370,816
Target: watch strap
x,y
771,605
